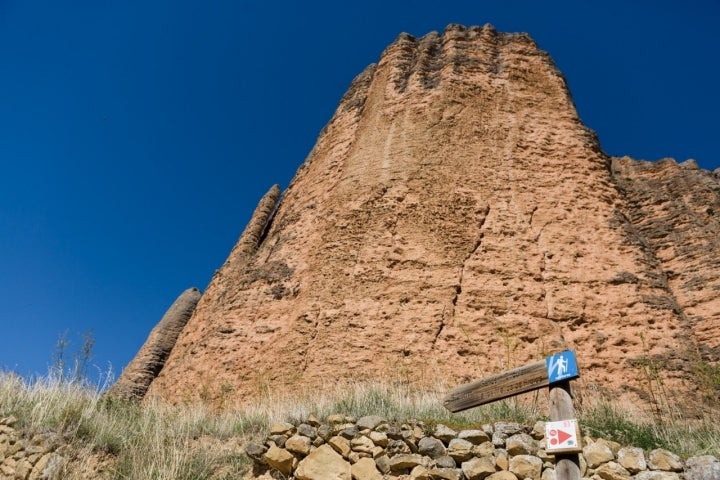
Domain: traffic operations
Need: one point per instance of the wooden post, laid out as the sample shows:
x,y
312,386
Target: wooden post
x,y
555,371
567,465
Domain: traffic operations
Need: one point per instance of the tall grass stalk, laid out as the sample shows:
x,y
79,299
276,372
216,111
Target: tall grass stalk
x,y
395,400
685,432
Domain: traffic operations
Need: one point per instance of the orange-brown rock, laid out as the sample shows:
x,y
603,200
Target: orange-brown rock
x,y
455,218
675,210
150,359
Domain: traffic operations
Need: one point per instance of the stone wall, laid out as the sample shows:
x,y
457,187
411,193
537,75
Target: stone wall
x,y
370,448
29,458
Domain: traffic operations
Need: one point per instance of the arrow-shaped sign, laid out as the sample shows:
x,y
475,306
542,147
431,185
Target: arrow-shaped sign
x,y
555,368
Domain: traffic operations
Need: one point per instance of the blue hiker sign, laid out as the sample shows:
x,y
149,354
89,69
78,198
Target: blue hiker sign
x,y
561,366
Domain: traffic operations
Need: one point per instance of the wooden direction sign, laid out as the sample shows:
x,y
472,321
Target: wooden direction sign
x,y
556,368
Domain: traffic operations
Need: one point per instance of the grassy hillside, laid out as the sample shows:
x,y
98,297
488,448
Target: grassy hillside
x,y
152,440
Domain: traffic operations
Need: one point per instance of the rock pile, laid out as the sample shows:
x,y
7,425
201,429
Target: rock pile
x,y
370,448
32,458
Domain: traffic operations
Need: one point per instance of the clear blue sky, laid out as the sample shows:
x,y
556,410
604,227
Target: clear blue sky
x,y
137,136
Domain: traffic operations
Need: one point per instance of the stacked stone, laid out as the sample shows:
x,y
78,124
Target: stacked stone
x,y
370,448
28,458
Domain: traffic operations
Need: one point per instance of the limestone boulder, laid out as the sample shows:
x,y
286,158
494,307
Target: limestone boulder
x,y
280,460
703,467
340,445
445,461
420,473
502,475
658,475
484,449
365,469
256,451
402,462
299,444
382,463
444,433
431,447
521,444
479,468
476,437
661,459
379,438
362,444
526,466
370,422
612,471
324,463
632,459
460,450
437,473
597,453
307,430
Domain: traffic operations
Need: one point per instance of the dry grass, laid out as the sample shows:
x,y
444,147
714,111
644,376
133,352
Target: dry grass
x,y
158,441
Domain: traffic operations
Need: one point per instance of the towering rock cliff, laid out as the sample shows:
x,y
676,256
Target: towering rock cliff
x,y
454,219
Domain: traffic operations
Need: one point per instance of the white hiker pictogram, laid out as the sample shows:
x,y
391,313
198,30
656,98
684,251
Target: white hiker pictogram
x,y
561,364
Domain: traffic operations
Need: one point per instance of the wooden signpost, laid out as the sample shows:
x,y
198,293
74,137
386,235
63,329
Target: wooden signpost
x,y
562,432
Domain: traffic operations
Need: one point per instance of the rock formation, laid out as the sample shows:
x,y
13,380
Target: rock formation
x,y
150,359
674,210
455,219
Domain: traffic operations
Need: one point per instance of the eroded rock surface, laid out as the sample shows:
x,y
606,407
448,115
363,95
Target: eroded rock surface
x,y
455,219
674,210
150,359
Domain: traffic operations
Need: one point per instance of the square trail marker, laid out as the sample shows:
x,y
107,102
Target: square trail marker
x,y
561,366
562,437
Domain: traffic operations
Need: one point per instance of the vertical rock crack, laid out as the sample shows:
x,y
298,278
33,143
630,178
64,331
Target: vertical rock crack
x,y
458,286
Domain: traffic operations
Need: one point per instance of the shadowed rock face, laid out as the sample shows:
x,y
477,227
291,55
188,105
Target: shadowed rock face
x,y
454,219
674,211
150,359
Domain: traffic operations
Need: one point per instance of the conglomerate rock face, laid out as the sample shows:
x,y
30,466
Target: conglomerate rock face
x,y
674,209
455,219
150,359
